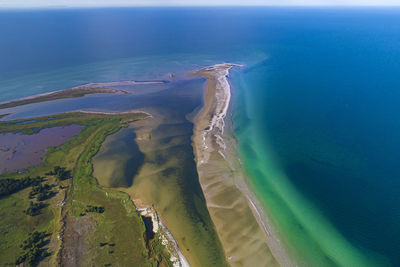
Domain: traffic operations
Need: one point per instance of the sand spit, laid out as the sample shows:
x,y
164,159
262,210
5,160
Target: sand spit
x,y
78,91
69,93
133,111
119,83
244,234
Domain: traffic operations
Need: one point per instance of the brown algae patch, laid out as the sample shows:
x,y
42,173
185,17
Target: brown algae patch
x,y
19,151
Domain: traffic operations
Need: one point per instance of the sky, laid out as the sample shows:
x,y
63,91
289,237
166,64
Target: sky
x,y
119,3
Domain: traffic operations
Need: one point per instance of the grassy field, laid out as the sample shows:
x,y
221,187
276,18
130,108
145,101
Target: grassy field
x,y
78,236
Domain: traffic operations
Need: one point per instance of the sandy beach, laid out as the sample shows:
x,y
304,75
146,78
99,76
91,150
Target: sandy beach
x,y
242,226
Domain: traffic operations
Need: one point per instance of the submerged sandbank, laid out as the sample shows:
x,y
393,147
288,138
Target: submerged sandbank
x,y
246,236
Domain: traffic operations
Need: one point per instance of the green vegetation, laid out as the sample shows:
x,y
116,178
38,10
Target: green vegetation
x,y
9,186
80,118
91,208
61,173
34,208
63,195
42,192
159,251
33,249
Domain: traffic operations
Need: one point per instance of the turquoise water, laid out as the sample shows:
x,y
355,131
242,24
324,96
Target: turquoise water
x,y
318,129
315,108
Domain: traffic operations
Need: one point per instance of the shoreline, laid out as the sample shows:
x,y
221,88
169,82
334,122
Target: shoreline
x,y
166,236
215,147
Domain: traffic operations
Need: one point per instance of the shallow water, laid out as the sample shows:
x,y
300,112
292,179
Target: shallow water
x,y
19,151
318,134
153,161
118,160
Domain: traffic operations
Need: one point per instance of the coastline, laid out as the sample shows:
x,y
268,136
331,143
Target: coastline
x,y
166,237
197,245
224,182
228,197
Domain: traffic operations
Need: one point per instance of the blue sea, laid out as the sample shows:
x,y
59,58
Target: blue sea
x,y
316,106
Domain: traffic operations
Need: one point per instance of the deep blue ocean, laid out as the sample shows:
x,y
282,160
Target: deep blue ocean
x,y
316,107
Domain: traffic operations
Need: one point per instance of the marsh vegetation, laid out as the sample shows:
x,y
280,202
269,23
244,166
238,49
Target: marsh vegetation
x,y
39,217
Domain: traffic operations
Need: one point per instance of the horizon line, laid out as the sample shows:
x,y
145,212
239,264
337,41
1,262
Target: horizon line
x,y
199,5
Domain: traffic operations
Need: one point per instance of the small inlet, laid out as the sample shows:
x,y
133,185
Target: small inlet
x,y
148,223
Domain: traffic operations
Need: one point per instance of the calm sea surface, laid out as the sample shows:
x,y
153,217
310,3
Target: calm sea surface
x,y
317,111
